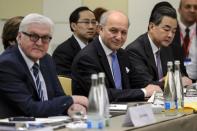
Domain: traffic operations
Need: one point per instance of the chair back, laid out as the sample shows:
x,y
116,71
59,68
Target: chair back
x,y
66,84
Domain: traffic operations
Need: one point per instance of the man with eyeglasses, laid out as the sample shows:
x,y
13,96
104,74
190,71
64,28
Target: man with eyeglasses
x,y
83,25
28,82
150,52
186,36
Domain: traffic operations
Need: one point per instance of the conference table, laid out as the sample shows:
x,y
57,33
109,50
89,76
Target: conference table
x,y
181,122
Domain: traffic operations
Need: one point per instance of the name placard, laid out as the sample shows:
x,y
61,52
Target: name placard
x,y
139,116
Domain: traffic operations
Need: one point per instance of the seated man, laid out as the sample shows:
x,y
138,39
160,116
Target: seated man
x,y
83,25
150,52
104,54
28,82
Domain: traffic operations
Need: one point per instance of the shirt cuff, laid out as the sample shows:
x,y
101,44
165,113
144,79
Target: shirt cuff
x,y
145,93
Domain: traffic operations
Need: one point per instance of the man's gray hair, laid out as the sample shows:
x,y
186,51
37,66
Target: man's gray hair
x,y
105,15
35,18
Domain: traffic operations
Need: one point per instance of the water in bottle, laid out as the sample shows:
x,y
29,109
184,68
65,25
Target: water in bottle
x,y
170,92
179,86
95,120
104,100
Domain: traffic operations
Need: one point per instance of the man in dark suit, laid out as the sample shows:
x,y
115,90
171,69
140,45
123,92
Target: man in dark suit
x,y
28,82
83,25
150,52
98,56
188,15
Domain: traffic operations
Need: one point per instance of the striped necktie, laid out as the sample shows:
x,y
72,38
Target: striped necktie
x,y
36,70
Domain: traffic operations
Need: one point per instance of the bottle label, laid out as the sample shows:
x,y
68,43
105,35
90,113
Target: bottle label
x,y
95,124
89,124
167,105
100,125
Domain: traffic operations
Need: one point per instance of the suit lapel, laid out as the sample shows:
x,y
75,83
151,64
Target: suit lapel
x,y
46,74
122,59
104,62
149,54
75,44
26,70
164,61
166,55
196,30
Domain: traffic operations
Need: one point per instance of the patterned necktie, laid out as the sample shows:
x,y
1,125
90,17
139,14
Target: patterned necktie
x,y
38,82
116,71
186,43
159,68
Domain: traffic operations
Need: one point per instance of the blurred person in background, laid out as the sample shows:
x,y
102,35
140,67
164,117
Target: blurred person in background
x,y
98,12
10,31
186,36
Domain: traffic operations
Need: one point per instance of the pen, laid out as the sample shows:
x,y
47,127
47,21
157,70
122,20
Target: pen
x,y
59,127
113,105
21,118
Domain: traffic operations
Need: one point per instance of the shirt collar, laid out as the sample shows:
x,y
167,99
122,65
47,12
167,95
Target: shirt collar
x,y
81,44
153,46
105,48
28,61
183,27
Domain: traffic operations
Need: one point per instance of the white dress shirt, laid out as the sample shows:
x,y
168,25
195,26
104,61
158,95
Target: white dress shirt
x,y
81,44
192,66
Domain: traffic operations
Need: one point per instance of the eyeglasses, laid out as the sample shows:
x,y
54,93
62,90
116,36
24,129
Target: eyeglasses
x,y
35,37
87,22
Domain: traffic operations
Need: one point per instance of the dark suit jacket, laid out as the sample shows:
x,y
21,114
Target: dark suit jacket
x,y
92,59
142,58
64,55
18,96
178,50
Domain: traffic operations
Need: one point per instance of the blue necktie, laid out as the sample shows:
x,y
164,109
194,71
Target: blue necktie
x,y
159,68
38,82
116,71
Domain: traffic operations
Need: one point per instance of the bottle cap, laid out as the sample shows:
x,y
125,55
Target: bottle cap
x,y
177,62
101,74
169,63
94,76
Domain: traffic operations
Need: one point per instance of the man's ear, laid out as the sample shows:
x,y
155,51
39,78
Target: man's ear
x,y
18,38
179,10
99,27
151,25
73,26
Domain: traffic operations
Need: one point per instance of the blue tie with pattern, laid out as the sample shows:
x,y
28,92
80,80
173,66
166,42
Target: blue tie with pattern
x,y
38,82
116,71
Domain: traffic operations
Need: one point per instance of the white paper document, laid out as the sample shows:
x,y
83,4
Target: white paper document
x,y
47,124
